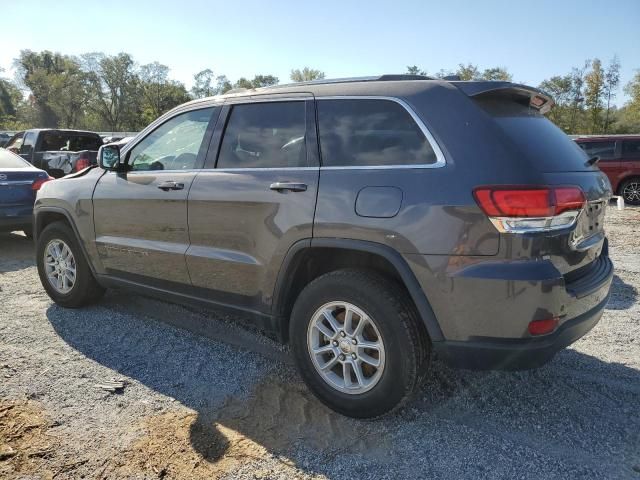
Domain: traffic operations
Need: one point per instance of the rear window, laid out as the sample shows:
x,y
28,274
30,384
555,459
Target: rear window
x,y
369,132
631,148
9,160
605,150
537,137
61,141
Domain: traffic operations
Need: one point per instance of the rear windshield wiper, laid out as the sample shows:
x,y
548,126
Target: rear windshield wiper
x,y
592,161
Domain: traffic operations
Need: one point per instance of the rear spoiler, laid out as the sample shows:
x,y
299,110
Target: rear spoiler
x,y
535,98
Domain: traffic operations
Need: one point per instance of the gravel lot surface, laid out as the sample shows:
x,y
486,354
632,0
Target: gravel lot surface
x,y
230,405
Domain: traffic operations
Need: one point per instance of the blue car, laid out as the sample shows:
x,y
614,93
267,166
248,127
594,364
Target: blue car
x,y
19,183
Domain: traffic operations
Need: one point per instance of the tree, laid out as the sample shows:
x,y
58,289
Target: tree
x,y
57,85
112,86
257,82
496,73
415,70
577,83
223,84
611,82
560,89
160,94
468,72
203,84
594,92
306,74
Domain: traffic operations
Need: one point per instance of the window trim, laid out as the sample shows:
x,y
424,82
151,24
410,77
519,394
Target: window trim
x,y
628,156
160,121
440,158
311,140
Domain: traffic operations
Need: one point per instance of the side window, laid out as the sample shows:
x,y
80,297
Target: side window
x,y
369,133
28,143
15,143
174,145
605,150
265,135
631,149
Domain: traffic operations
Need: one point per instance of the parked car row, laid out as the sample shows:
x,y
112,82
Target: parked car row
x,y
34,156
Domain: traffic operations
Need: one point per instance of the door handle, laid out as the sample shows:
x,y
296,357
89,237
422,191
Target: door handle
x,y
292,187
166,186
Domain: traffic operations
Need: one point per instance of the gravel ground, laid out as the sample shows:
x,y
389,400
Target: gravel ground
x,y
230,405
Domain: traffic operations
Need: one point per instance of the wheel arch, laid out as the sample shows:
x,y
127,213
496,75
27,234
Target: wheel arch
x,y
308,259
47,215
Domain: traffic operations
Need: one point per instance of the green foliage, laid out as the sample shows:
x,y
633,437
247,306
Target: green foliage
x,y
306,74
257,82
415,70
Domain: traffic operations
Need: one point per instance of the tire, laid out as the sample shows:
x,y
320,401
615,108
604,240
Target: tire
x,y
630,191
402,354
84,289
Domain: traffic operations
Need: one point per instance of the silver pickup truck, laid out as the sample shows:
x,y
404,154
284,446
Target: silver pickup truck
x,y
58,152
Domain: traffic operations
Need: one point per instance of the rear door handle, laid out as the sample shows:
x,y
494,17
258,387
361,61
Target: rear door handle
x,y
293,187
166,186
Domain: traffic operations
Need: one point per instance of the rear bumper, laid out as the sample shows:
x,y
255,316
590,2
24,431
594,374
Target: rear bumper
x,y
517,354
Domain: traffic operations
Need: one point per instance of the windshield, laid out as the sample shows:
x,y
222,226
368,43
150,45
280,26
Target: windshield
x,y
9,160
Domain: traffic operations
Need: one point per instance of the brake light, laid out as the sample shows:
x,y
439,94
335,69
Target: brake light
x,y
38,182
542,327
81,164
517,209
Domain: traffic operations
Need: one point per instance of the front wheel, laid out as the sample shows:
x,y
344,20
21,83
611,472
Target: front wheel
x,y
358,343
63,269
630,191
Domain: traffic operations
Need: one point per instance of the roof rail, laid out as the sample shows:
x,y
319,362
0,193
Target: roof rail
x,y
377,78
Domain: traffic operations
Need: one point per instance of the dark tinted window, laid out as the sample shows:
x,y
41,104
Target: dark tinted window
x,y
536,137
9,160
28,143
631,148
264,135
370,132
70,142
604,150
174,145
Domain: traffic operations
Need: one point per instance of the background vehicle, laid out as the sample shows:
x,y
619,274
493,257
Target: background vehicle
x,y
620,160
58,152
368,222
19,182
4,138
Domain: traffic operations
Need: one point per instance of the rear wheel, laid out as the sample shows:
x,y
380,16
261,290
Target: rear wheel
x,y
63,269
358,342
630,191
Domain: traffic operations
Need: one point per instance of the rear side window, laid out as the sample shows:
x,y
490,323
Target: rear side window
x,y
9,160
70,142
28,143
265,135
16,142
631,148
536,137
604,150
370,132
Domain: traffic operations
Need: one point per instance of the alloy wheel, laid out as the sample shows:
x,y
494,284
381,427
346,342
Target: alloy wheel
x,y
60,266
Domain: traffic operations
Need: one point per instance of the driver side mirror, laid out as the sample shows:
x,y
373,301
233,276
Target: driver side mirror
x,y
109,158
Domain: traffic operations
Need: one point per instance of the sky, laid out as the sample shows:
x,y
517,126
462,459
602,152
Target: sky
x,y
533,39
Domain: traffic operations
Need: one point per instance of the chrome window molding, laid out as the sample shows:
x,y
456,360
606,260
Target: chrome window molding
x,y
440,160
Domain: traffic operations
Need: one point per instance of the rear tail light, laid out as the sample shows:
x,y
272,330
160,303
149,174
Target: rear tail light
x,y
542,327
38,182
516,209
81,164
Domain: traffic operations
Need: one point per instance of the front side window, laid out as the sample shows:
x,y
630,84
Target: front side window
x,y
631,148
265,135
174,145
605,150
370,132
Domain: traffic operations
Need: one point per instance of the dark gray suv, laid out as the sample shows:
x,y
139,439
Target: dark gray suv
x,y
371,223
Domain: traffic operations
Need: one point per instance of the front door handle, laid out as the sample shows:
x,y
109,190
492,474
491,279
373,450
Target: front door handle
x,y
292,187
166,186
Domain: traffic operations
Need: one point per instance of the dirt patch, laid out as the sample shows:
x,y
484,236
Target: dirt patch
x,y
26,446
180,445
